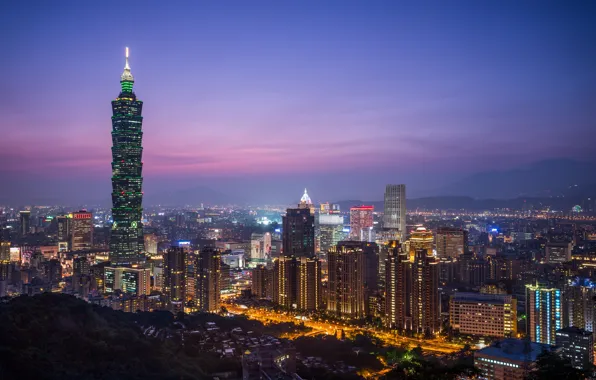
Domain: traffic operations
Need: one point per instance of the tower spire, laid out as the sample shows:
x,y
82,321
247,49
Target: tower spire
x,y
126,75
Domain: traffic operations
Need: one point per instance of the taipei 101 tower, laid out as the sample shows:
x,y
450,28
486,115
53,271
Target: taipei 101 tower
x,y
126,242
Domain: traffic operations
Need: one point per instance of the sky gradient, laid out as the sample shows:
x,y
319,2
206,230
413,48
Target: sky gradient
x,y
259,99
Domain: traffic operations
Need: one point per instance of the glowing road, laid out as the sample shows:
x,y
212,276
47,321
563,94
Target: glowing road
x,y
331,327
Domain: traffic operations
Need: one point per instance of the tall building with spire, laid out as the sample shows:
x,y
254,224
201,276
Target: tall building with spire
x,y
126,243
299,229
297,272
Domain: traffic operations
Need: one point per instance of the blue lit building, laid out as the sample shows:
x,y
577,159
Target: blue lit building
x,y
543,312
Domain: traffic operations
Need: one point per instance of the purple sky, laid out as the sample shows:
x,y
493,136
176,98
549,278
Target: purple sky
x,y
260,99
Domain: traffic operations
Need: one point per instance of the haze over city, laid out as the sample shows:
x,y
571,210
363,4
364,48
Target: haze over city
x,y
253,101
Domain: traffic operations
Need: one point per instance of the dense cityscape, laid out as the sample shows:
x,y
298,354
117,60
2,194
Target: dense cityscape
x,y
393,287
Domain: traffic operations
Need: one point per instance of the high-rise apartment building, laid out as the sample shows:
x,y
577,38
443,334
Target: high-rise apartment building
x,y
577,346
398,287
425,292
544,313
580,304
284,282
208,267
126,241
81,231
308,294
346,295
260,282
25,217
394,217
480,314
299,229
361,222
451,242
174,277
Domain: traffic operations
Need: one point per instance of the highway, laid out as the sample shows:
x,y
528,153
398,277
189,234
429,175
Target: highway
x,y
330,328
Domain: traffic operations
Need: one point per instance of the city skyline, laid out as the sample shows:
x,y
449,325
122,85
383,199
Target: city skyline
x,y
391,91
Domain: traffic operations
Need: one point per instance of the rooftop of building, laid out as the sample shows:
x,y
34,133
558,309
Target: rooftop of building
x,y
574,330
482,297
514,349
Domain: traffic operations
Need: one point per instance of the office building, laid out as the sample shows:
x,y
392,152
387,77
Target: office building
x,y
131,280
64,225
394,217
150,244
208,267
174,277
544,314
577,346
451,242
260,248
361,222
330,230
558,252
508,359
25,218
81,231
346,297
299,229
580,304
490,315
126,241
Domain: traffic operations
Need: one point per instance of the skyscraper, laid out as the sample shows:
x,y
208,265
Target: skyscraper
x,y
299,229
297,273
64,226
394,217
25,217
425,292
4,264
174,277
208,267
126,244
398,283
451,242
308,294
330,230
580,304
82,231
348,284
361,222
543,312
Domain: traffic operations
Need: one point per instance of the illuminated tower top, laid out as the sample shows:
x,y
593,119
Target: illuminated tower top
x,y
305,198
127,80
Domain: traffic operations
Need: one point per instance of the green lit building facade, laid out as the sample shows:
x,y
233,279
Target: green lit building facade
x,y
126,242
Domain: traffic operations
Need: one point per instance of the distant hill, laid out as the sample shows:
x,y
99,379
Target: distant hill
x,y
549,178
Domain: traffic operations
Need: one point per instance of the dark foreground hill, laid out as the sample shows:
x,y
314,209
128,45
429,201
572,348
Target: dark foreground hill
x,y
54,336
